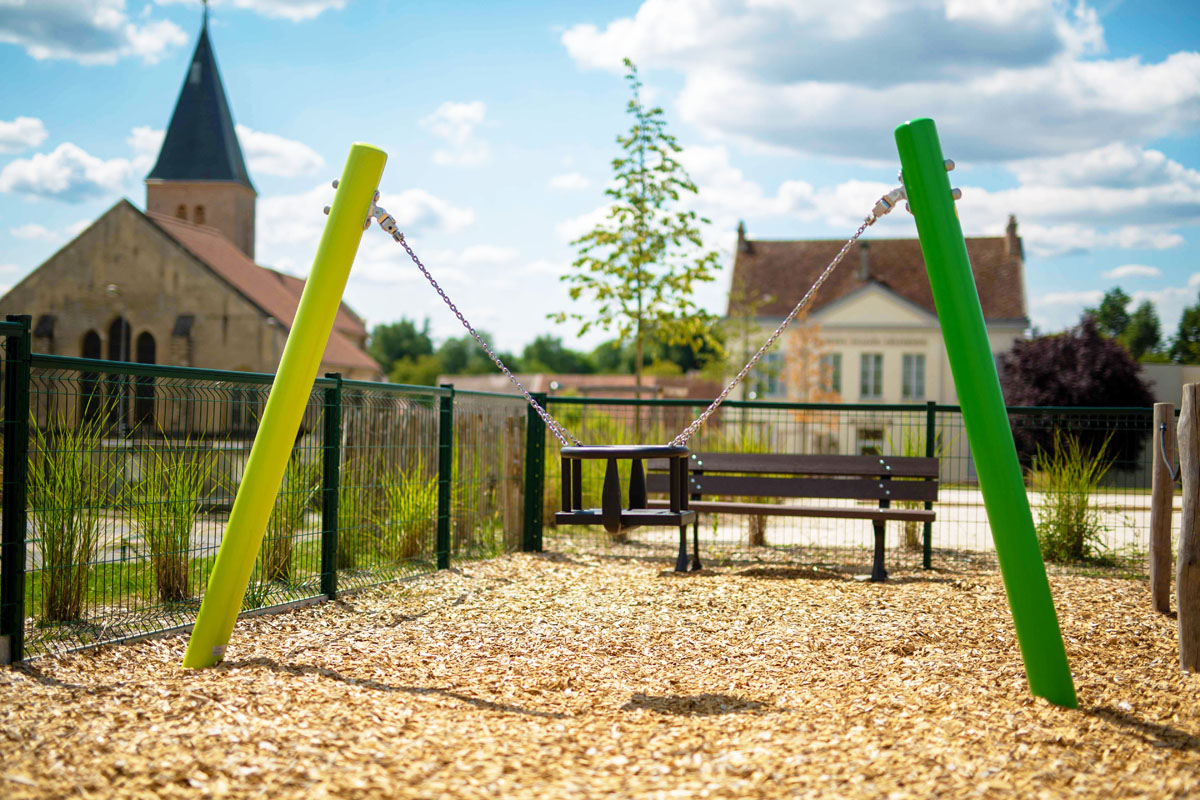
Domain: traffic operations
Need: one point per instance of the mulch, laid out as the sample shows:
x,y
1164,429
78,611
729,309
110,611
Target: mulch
x,y
589,675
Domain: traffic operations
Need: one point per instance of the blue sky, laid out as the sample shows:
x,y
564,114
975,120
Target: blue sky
x,y
499,118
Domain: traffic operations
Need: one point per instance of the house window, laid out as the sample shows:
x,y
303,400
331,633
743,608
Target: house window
x,y
767,372
831,373
871,376
181,211
198,215
912,385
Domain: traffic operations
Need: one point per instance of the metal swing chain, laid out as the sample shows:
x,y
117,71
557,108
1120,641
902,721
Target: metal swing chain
x,y
884,205
388,223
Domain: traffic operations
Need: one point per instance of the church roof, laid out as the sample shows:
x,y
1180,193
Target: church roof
x,y
783,271
271,291
200,143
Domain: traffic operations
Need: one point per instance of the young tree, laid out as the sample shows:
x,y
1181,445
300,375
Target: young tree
x,y
1111,317
1079,367
641,264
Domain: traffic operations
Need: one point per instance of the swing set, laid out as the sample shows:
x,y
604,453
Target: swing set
x,y
930,199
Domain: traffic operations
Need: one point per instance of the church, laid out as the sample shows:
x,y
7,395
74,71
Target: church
x,y
177,284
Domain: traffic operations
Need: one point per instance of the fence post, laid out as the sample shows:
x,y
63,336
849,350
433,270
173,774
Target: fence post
x,y
1162,500
1187,580
331,479
16,463
445,474
930,452
535,476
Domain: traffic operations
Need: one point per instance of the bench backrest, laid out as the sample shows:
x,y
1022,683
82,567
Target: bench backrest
x,y
883,478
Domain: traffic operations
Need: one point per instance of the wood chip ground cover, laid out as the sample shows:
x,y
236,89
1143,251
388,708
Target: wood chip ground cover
x,y
585,675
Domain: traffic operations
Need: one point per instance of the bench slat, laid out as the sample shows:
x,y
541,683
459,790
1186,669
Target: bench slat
x,y
774,510
839,488
796,464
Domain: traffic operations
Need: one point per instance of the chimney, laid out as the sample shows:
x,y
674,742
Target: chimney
x,y
743,245
864,268
1012,242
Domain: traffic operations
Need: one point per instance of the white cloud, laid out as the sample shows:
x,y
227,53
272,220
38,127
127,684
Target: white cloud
x,y
69,174
1004,80
294,10
33,230
544,267
298,218
570,229
455,123
1132,271
569,182
270,154
488,254
21,133
146,142
87,31
1078,298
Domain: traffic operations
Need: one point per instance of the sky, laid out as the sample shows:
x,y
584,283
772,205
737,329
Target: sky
x,y
500,122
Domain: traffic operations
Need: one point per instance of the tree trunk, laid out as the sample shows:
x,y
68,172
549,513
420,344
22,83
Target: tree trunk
x,y
1162,500
758,530
1187,584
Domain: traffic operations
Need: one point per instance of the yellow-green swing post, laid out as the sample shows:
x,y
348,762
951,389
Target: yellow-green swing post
x,y
285,406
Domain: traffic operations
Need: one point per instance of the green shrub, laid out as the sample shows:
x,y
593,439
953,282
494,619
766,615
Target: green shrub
x,y
409,513
163,505
354,519
1068,525
69,478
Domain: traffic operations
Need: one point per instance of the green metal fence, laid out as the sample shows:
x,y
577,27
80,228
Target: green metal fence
x,y
132,470
961,531
118,479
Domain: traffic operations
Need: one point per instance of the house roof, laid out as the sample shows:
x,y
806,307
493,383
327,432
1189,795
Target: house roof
x,y
783,271
276,294
200,143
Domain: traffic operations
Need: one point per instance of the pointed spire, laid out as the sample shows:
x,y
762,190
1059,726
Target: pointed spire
x,y
200,143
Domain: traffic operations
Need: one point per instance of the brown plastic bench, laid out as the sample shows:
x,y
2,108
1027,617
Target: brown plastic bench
x,y
789,477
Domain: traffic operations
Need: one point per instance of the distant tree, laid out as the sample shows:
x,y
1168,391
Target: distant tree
x,y
640,266
611,358
464,356
1185,347
547,353
1143,333
420,371
1079,367
1111,315
401,339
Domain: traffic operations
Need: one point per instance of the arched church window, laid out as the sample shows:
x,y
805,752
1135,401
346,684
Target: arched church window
x,y
198,215
181,211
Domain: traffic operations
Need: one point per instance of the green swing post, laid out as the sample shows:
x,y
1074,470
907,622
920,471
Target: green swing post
x,y
285,406
984,415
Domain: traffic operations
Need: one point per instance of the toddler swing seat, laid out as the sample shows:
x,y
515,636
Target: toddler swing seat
x,y
615,518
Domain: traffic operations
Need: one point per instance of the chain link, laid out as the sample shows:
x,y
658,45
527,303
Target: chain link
x,y
565,437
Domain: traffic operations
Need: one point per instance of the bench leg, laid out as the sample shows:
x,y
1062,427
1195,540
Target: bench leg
x,y
681,563
696,565
878,573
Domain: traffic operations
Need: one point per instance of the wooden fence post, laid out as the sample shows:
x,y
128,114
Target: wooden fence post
x,y
1162,501
1187,583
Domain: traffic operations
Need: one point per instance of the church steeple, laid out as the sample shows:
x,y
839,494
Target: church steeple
x,y
200,174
